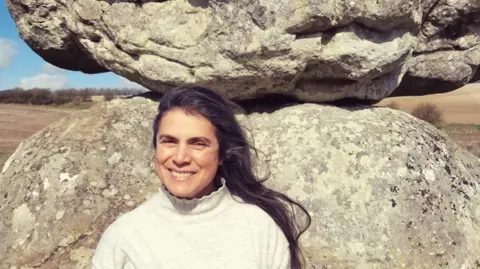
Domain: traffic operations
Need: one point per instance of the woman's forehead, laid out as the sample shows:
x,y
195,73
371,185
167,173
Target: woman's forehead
x,y
179,124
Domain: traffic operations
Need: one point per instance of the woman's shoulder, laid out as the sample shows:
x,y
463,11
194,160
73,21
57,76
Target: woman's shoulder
x,y
129,221
260,225
119,238
252,212
255,215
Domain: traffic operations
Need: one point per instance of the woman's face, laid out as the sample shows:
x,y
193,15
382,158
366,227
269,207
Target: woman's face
x,y
186,159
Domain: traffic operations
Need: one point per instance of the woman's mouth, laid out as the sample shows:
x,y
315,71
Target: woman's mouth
x,y
181,175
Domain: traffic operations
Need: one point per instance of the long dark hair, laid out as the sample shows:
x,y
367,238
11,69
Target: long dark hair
x,y
236,153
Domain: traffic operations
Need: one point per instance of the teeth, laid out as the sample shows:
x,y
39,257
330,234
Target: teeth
x,y
182,175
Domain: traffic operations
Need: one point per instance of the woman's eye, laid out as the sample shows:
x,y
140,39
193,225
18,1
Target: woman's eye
x,y
200,144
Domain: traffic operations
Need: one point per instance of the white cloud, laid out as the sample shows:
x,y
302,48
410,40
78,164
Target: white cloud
x,y
125,83
7,52
49,81
50,77
51,69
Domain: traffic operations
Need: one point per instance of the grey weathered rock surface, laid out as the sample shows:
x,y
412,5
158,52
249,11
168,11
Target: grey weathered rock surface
x,y
312,50
448,55
385,190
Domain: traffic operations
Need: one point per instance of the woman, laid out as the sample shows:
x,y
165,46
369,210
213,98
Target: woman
x,y
212,211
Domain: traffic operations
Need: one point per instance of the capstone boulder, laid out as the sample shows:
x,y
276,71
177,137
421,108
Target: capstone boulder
x,y
316,51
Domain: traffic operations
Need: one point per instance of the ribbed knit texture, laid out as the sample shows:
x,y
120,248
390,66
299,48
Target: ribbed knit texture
x,y
215,231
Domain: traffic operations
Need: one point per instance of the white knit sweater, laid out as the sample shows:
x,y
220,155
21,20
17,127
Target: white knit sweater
x,y
215,231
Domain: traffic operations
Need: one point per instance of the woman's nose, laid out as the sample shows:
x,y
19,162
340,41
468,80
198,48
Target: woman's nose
x,y
181,155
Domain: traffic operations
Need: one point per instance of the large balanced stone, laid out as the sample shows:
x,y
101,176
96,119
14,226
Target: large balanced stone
x,y
309,49
385,190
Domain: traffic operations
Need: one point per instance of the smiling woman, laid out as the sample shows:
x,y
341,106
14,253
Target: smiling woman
x,y
212,211
186,158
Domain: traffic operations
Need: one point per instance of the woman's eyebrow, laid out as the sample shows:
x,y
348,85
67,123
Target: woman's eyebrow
x,y
201,139
166,136
190,140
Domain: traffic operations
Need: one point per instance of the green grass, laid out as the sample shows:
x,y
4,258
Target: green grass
x,y
461,128
466,136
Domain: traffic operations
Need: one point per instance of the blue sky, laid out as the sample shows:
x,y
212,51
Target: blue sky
x,y
21,67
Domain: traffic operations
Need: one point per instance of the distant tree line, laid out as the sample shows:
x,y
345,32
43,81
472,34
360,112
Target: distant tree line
x,y
40,96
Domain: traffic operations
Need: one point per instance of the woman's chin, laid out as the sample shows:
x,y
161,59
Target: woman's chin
x,y
176,189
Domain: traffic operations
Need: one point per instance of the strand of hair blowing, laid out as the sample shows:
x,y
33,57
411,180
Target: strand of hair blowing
x,y
237,167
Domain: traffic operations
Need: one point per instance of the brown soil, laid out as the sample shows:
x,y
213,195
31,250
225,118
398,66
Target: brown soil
x,y
470,142
18,122
459,106
466,136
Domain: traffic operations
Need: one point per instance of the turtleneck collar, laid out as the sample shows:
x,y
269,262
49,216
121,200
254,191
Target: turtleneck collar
x,y
195,206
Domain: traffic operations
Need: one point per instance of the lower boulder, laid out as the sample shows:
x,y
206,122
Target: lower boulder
x,y
384,189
